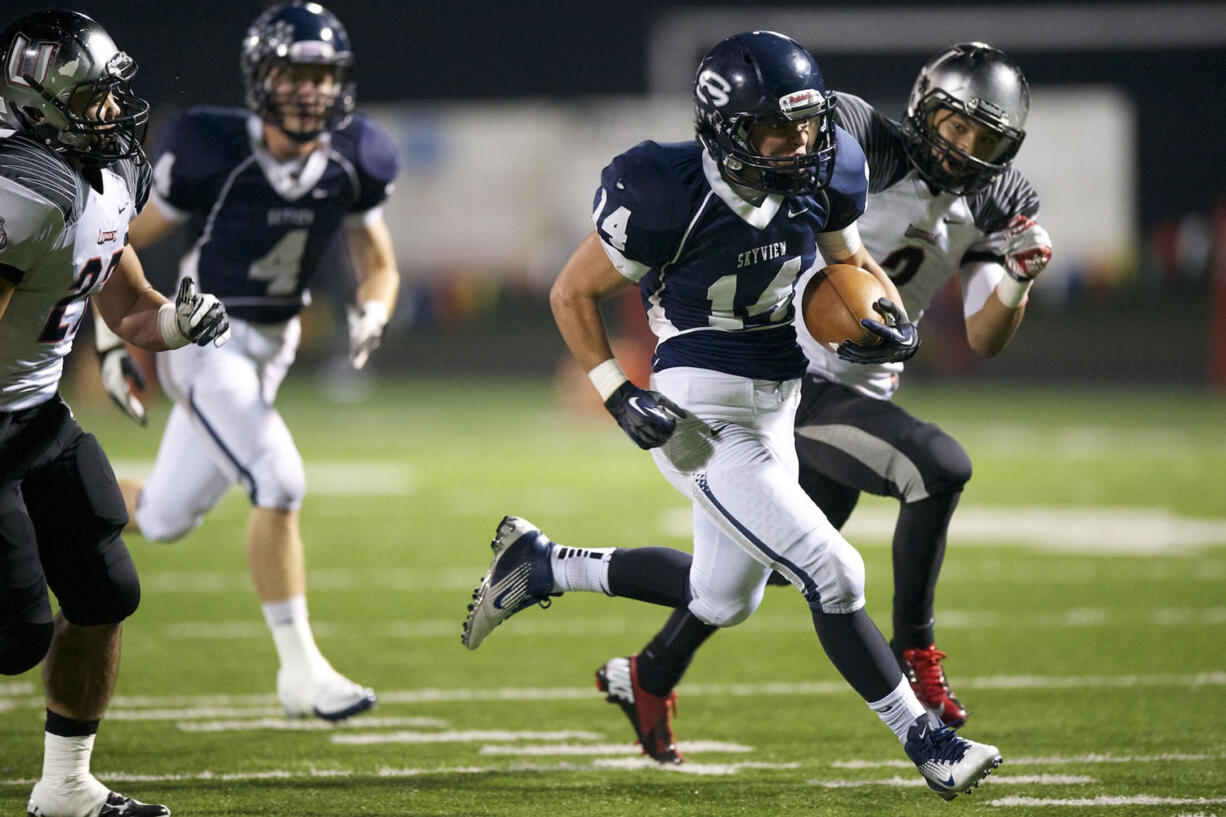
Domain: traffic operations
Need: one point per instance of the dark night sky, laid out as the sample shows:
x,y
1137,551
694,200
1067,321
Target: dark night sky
x,y
408,50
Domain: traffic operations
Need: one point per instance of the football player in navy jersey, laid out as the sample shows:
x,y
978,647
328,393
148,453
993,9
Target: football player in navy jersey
x,y
944,200
263,193
715,233
72,176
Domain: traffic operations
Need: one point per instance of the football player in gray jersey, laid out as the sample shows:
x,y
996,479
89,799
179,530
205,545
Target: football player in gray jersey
x,y
72,177
944,200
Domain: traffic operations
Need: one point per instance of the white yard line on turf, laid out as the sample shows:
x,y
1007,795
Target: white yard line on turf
x,y
1050,760
1089,530
1107,800
349,478
424,696
996,779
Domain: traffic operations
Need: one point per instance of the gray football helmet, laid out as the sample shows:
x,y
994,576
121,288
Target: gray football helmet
x,y
58,66
981,83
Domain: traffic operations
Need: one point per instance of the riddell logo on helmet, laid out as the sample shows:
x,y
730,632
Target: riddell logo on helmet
x,y
799,103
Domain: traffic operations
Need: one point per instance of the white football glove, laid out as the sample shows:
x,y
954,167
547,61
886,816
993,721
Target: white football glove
x,y
1028,248
193,318
121,374
366,323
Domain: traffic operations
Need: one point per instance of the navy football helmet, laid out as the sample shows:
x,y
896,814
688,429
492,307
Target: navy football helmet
x,y
755,77
298,34
63,82
981,83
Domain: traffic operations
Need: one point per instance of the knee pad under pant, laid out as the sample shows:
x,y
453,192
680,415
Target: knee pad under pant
x,y
838,580
278,479
83,556
23,646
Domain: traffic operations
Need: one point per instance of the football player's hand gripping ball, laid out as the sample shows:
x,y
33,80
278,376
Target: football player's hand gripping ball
x,y
647,417
899,337
366,323
1028,248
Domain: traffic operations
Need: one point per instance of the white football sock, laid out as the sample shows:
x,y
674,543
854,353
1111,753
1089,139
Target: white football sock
x,y
580,568
66,786
899,709
291,632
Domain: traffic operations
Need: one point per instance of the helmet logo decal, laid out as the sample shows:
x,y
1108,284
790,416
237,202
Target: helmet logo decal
x,y
802,104
26,61
713,88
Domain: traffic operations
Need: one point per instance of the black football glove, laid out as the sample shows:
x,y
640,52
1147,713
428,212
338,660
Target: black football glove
x,y
647,417
899,338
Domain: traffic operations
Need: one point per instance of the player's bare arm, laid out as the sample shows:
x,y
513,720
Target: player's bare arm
x,y
374,263
151,226
989,330
129,304
588,278
648,417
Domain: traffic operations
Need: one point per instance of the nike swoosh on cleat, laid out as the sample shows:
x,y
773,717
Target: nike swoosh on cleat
x,y
498,599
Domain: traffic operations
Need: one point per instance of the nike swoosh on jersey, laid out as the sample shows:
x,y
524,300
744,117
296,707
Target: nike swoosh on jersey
x,y
795,213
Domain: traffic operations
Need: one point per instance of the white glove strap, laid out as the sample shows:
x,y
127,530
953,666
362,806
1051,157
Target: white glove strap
x,y
168,327
1012,292
607,378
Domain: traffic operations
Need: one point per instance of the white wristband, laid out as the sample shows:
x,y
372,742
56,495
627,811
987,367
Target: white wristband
x,y
1012,292
168,327
607,378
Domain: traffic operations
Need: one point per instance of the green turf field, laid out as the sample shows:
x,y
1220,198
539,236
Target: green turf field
x,y
1083,605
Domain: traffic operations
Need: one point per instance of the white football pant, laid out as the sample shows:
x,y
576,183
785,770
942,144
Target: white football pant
x,y
735,457
223,430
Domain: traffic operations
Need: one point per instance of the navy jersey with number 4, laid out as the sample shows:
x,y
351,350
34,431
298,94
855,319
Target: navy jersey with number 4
x,y
715,272
259,227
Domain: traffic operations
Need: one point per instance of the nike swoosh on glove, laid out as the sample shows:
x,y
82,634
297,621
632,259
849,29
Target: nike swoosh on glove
x,y
648,417
899,337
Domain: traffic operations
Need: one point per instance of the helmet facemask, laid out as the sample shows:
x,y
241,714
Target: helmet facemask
x,y
945,165
304,99
65,100
742,163
982,85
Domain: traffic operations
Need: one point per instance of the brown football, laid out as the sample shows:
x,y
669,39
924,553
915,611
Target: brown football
x,y
835,300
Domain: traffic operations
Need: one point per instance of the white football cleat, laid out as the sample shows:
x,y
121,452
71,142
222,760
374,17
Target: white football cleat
x,y
519,577
332,697
950,764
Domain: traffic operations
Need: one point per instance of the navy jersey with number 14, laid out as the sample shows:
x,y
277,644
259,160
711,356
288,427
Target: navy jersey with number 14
x,y
716,272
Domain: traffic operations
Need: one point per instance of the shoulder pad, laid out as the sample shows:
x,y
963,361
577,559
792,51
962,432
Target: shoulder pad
x,y
44,172
369,148
1009,195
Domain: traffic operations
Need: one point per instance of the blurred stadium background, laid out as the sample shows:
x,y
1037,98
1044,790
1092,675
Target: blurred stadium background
x,y
505,113
1084,605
